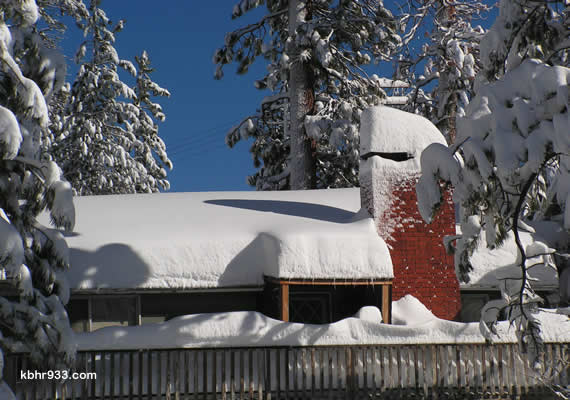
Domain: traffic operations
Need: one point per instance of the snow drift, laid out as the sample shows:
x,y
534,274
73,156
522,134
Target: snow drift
x,y
249,329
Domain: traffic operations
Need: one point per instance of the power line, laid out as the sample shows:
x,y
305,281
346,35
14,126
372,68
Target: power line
x,y
204,134
196,153
213,141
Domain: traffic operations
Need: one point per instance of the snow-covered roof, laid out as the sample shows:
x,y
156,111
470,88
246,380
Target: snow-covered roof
x,y
222,239
492,267
414,324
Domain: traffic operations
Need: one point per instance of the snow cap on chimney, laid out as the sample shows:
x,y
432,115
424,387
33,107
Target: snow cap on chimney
x,y
391,142
387,130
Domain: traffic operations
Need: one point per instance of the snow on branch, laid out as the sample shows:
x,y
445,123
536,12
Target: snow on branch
x,y
332,43
504,177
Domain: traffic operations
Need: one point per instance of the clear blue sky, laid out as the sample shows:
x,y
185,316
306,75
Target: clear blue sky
x,y
181,37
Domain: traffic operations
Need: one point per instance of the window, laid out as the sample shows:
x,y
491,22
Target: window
x,y
78,312
471,305
310,307
113,311
88,313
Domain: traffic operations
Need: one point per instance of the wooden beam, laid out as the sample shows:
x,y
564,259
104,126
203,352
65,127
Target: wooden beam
x,y
89,314
387,303
83,293
328,282
284,295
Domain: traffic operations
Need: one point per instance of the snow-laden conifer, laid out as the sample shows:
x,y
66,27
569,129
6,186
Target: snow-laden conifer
x,y
525,29
305,134
510,166
32,256
441,71
108,134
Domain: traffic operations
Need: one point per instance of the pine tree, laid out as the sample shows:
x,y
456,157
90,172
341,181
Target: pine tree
x,y
31,255
305,134
147,129
524,29
441,72
107,138
510,166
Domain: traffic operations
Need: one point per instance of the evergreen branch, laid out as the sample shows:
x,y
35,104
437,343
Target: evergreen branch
x,y
253,27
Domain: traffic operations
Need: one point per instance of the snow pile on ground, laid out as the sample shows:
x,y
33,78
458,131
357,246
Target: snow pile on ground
x,y
492,267
5,392
221,239
410,311
369,313
248,328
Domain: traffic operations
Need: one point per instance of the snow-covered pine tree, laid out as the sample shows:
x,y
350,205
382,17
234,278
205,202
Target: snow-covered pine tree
x,y
441,70
146,130
512,148
107,138
51,13
31,255
315,51
525,29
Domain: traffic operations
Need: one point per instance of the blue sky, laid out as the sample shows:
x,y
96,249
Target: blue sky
x,y
181,37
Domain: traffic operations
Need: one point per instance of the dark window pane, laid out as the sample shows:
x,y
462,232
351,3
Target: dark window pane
x,y
113,311
77,310
310,307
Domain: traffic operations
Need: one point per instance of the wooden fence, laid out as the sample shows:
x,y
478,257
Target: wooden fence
x,y
348,372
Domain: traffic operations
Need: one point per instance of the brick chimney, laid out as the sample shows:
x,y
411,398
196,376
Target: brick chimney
x,y
391,142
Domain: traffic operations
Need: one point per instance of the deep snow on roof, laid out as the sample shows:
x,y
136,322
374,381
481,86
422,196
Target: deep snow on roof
x,y
494,267
222,239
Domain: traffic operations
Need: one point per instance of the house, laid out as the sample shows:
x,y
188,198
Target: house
x,y
295,256
494,269
306,256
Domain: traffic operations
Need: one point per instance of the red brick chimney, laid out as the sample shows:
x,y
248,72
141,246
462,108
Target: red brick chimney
x,y
391,142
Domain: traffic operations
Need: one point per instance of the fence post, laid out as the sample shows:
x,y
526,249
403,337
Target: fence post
x,y
350,387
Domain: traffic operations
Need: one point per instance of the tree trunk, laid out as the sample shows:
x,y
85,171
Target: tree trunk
x,y
445,18
302,165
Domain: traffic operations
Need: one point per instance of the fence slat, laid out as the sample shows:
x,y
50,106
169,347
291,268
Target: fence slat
x,y
339,370
305,383
195,373
140,374
261,373
322,371
296,372
425,369
278,372
313,369
331,365
215,372
232,374
176,371
373,370
205,374
224,376
287,372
